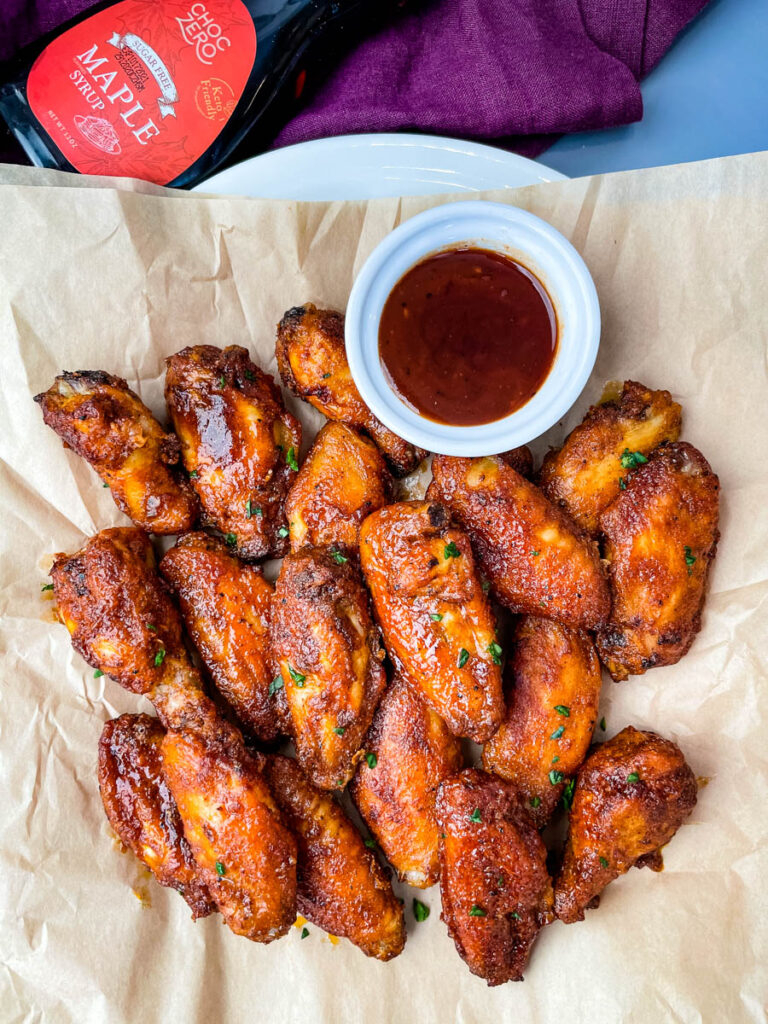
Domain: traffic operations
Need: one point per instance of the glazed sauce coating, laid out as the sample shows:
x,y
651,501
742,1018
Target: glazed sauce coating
x,y
467,336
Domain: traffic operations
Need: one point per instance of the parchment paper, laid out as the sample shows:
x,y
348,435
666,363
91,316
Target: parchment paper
x,y
99,277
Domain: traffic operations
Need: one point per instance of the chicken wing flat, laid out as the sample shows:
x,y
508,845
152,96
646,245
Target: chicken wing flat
x,y
414,753
142,811
589,471
552,702
438,624
342,888
520,459
102,420
330,658
632,794
342,480
494,883
313,364
536,559
660,539
239,444
226,608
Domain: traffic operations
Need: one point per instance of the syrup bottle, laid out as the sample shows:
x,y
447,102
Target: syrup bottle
x,y
165,90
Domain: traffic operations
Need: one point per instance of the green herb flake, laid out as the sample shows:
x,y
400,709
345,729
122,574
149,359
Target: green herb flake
x,y
451,551
98,674
485,586
337,556
159,657
340,783
283,531
622,484
495,652
501,883
275,685
436,617
371,844
555,777
542,604
340,730
555,759
105,485
690,559
476,911
222,381
515,915
420,910
535,554
304,932
632,778
603,862
602,723
231,539
371,760
631,460
568,794
476,815
290,458
49,586
558,732
535,801
151,627
220,869
248,509
249,375
194,475
463,657
298,677
561,709
326,376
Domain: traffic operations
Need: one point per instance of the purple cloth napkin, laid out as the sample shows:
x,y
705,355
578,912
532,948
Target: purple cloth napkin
x,y
515,71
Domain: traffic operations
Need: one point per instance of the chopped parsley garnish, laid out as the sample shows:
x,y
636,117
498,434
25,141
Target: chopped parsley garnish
x,y
283,531
476,911
558,732
220,869
463,657
340,783
194,474
326,376
222,381
249,375
603,862
622,484
515,915
290,458
485,586
231,539
555,759
371,844
555,777
337,556
561,709
420,910
535,554
250,510
476,815
275,685
436,616
98,674
371,760
451,551
105,485
298,677
690,559
304,932
49,586
159,657
631,460
495,652
150,626
568,794
633,777
340,730
535,801
602,723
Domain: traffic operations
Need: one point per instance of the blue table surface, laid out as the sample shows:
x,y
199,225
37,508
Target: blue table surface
x,y
707,97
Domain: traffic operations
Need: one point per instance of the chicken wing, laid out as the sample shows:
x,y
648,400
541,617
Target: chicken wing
x,y
632,794
330,658
238,442
313,364
342,480
342,888
437,622
536,559
226,609
494,883
590,470
414,753
141,810
102,420
660,539
520,459
552,707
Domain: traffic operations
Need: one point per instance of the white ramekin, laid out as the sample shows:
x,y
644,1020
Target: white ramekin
x,y
500,228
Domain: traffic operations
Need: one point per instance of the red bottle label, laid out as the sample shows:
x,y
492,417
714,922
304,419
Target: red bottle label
x,y
143,88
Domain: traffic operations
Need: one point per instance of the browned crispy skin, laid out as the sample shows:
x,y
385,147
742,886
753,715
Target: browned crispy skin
x,y
494,883
632,794
438,624
538,747
520,459
238,443
342,480
244,853
414,753
328,651
226,608
535,557
142,811
313,363
583,476
342,888
102,420
660,539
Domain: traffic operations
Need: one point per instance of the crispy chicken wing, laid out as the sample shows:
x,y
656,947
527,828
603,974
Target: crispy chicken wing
x,y
102,420
142,811
226,608
342,480
437,622
494,883
330,657
238,442
313,363
660,540
414,753
536,559
342,887
632,794
520,459
552,702
588,472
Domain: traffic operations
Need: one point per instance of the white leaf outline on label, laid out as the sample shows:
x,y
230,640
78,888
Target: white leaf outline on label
x,y
154,65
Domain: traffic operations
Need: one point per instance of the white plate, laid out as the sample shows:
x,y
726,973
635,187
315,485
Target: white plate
x,y
372,166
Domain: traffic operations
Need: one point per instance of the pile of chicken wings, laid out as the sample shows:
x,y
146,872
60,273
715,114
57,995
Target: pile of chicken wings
x,y
386,639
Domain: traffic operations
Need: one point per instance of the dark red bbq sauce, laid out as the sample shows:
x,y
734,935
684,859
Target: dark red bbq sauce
x,y
467,336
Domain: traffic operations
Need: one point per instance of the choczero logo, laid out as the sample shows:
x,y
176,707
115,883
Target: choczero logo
x,y
201,31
